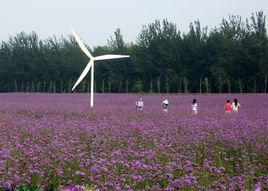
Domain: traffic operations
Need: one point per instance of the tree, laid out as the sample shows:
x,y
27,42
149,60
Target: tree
x,y
258,25
232,57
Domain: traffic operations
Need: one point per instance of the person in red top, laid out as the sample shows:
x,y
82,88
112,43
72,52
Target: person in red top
x,y
228,107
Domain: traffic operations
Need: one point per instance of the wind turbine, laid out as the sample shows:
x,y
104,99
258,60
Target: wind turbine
x,y
91,65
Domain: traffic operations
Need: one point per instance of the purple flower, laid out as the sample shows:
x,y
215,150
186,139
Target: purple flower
x,y
57,138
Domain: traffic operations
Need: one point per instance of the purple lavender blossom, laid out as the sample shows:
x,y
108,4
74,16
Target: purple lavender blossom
x,y
56,139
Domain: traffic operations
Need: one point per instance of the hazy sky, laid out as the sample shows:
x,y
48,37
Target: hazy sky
x,y
96,20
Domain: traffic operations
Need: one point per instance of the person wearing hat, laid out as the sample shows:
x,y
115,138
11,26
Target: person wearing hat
x,y
139,104
165,105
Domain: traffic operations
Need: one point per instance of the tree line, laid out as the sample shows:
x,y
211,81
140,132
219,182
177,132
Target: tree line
x,y
230,58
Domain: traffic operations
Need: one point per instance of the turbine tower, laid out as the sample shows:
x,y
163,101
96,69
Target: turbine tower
x,y
91,65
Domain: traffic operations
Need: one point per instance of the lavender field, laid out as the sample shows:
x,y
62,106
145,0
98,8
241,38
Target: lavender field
x,y
56,142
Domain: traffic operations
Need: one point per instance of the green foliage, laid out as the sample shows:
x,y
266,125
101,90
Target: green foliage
x,y
158,85
206,84
232,57
138,86
185,85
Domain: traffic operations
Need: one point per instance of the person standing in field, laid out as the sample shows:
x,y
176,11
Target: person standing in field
x,y
165,104
139,104
235,106
194,107
228,107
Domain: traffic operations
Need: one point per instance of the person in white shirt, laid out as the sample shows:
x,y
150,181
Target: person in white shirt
x,y
165,104
139,104
235,106
194,107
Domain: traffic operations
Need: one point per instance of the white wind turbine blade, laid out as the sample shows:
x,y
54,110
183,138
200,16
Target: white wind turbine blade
x,y
81,44
84,73
110,56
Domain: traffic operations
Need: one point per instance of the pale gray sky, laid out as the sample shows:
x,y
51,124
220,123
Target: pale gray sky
x,y
96,20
